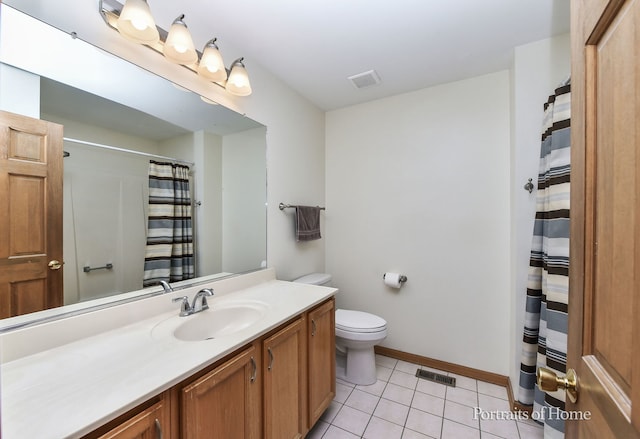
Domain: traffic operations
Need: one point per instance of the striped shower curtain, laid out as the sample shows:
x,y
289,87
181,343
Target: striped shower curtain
x,y
545,331
169,253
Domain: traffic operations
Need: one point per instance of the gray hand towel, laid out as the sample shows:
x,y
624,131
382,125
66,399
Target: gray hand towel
x,y
307,223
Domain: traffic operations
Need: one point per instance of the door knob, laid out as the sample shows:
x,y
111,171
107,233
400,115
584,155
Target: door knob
x,y
548,381
54,265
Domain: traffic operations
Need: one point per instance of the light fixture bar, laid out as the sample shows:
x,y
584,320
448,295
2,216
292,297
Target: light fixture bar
x,y
110,11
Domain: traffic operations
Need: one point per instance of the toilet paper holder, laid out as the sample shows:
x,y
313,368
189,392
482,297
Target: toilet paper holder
x,y
402,279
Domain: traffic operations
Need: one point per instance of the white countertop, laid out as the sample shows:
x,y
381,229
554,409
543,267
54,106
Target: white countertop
x,y
73,388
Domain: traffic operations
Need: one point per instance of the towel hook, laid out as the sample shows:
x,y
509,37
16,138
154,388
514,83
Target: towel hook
x,y
529,185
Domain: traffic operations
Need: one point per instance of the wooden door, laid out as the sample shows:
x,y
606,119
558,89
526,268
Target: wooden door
x,y
30,215
226,402
285,363
322,359
604,298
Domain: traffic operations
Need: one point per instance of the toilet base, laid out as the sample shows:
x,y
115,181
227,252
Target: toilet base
x,y
358,366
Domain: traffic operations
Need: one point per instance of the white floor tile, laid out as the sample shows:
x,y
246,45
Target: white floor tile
x,y
406,367
337,433
381,429
428,403
397,393
342,392
352,420
374,389
424,422
363,401
453,430
462,396
465,382
391,411
530,430
383,373
403,379
432,388
401,406
499,427
318,430
331,412
493,404
461,414
410,434
492,390
345,383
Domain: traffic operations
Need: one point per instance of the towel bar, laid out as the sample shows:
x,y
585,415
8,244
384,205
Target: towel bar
x,y
88,269
283,206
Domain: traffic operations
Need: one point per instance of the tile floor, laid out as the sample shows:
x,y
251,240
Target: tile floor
x,y
400,405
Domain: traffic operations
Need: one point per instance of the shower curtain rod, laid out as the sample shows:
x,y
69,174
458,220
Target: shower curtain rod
x,y
130,151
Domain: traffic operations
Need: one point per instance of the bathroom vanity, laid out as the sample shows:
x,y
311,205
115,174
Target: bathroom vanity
x,y
269,372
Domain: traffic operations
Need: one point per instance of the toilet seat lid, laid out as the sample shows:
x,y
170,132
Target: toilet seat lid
x,y
358,321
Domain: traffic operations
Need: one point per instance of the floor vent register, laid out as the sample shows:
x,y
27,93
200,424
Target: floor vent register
x,y
436,377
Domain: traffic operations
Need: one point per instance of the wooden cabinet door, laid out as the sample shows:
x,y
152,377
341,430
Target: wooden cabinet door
x,y
30,215
322,359
285,365
226,402
604,283
151,423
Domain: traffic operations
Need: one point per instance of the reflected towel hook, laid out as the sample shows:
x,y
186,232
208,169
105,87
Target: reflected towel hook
x,y
529,185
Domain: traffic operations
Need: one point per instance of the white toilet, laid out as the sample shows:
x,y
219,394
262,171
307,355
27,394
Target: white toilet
x,y
357,333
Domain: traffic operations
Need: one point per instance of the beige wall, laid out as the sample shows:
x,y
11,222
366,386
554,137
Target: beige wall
x,y
419,184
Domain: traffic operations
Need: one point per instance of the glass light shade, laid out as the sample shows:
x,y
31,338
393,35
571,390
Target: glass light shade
x,y
211,65
238,82
136,23
179,46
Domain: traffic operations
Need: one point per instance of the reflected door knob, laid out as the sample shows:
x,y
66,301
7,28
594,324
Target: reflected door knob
x,y
54,265
548,381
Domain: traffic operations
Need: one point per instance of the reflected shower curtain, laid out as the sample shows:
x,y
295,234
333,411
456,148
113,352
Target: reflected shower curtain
x,y
545,331
169,252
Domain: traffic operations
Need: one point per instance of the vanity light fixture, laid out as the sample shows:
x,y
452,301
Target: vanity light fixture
x,y
135,22
238,82
211,65
179,45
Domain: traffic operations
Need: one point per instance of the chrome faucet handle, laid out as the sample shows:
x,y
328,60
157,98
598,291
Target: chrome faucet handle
x,y
202,295
185,308
165,286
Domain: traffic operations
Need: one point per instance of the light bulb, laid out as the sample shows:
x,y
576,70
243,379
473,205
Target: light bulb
x,y
179,46
136,23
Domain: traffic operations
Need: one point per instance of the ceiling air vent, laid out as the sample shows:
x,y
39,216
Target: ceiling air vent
x,y
365,79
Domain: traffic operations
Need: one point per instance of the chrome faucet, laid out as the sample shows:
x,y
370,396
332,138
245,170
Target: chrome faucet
x,y
165,286
201,297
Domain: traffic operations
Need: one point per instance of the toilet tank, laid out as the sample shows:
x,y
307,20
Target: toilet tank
x,y
323,279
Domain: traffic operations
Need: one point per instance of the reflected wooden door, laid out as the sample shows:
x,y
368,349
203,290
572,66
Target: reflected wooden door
x,y
30,215
604,301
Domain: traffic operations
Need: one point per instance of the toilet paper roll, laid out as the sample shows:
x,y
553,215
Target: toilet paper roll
x,y
393,280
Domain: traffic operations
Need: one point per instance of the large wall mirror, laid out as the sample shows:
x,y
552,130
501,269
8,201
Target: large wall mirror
x,y
117,117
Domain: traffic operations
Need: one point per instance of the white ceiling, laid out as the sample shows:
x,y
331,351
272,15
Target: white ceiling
x,y
314,45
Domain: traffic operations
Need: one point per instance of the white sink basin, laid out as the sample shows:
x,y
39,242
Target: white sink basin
x,y
218,321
